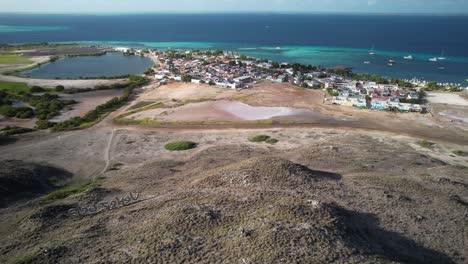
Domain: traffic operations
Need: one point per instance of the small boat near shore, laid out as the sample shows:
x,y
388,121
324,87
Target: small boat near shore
x,y
433,59
372,51
442,56
409,57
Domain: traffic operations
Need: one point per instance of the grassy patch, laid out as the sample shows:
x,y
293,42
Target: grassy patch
x,y
67,192
460,153
180,145
28,258
426,144
141,104
13,59
169,164
14,87
194,101
259,138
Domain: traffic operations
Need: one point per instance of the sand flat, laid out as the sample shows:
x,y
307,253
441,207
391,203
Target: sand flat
x,y
447,98
252,113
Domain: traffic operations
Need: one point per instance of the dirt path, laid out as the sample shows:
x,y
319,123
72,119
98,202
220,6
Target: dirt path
x,y
107,154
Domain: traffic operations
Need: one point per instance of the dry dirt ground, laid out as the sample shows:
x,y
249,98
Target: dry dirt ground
x,y
86,102
179,99
317,196
365,189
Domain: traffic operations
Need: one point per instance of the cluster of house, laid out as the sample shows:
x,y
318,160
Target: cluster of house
x,y
227,70
373,95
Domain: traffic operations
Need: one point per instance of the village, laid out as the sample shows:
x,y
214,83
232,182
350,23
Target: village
x,y
230,71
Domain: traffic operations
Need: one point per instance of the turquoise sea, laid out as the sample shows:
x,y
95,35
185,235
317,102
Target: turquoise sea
x,y
319,39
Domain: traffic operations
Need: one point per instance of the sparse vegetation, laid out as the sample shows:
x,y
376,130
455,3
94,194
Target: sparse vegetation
x,y
13,59
426,144
14,87
331,92
67,192
180,145
272,141
259,138
103,110
460,153
28,258
10,131
59,88
141,104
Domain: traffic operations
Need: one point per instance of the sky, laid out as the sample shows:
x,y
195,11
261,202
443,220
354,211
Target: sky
x,y
133,6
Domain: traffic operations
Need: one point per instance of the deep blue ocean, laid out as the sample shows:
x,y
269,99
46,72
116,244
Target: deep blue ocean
x,y
318,39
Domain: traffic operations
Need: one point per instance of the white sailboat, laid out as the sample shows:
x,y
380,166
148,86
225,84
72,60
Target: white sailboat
x,y
372,52
442,56
433,59
409,57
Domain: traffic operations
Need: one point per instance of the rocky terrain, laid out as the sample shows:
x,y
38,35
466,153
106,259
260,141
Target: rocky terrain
x,y
317,196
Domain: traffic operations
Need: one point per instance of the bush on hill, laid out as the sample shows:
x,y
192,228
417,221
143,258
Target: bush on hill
x,y
180,145
259,138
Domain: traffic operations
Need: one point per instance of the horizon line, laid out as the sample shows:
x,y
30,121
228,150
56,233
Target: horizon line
x,y
234,12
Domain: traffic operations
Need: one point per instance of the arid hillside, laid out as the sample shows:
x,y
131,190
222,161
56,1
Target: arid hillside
x,y
316,196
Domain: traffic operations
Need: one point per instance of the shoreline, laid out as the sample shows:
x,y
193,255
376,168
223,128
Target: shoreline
x,y
327,56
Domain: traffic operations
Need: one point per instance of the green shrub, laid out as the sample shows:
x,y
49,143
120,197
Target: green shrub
x,y
259,138
44,124
10,131
331,92
60,88
426,144
7,110
37,89
460,153
272,141
180,145
18,112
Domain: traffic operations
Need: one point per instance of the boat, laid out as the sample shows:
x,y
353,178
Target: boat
x,y
390,64
442,57
367,62
372,52
433,59
391,61
409,57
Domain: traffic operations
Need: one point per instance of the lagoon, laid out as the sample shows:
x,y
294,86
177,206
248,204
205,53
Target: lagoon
x,y
108,65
